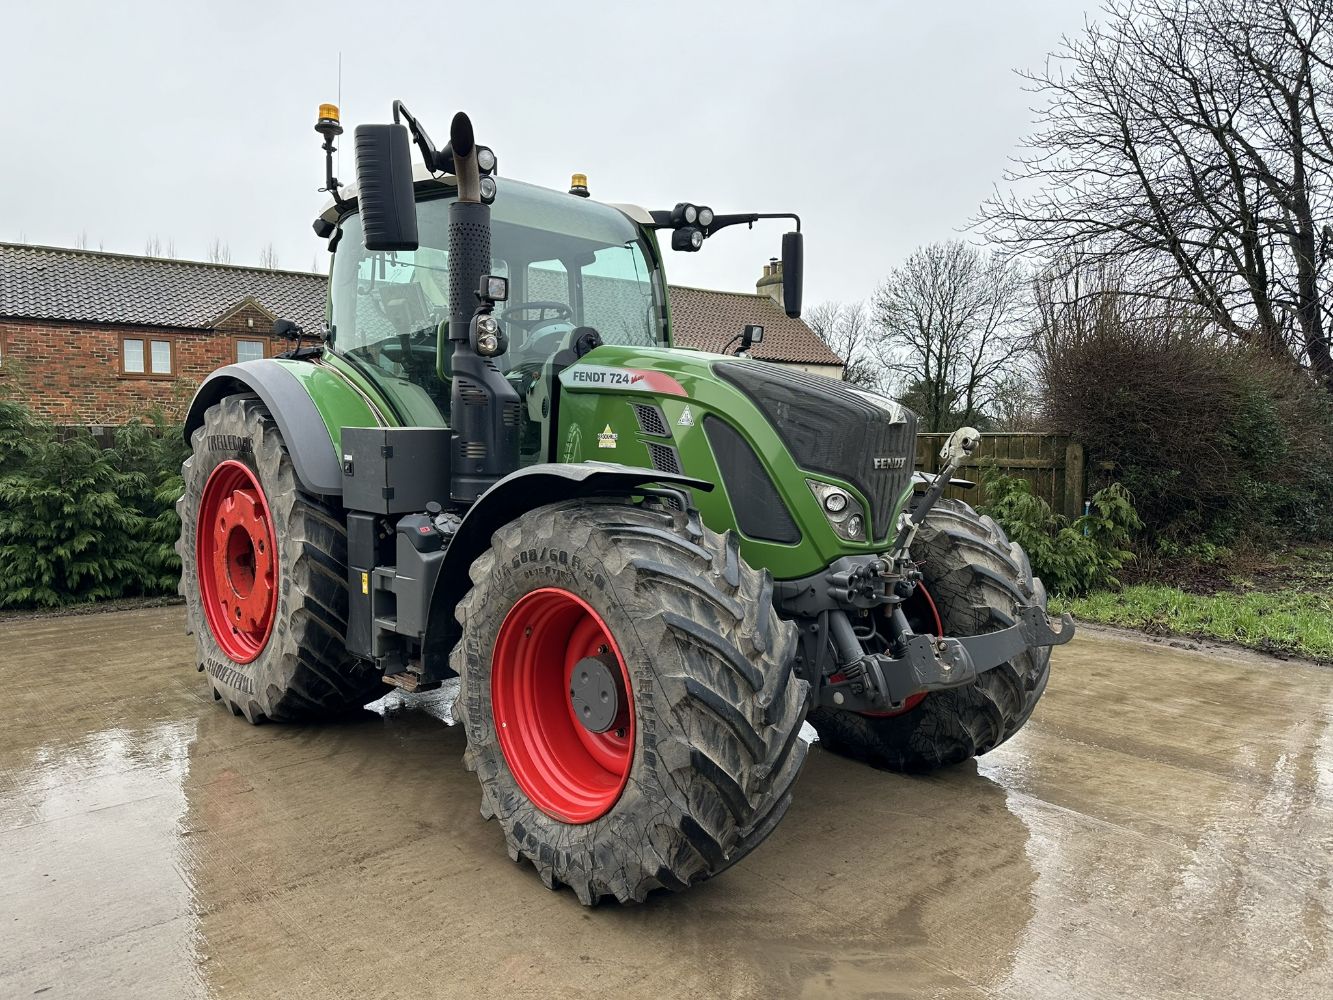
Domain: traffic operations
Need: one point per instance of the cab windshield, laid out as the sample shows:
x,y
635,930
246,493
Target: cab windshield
x,y
571,264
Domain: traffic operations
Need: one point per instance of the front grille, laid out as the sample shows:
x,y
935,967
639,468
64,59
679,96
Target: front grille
x,y
832,428
759,508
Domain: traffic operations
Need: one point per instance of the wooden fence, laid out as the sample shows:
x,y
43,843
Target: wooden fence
x,y
1052,463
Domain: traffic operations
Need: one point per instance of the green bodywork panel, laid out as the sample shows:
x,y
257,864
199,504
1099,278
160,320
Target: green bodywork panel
x,y
339,404
585,414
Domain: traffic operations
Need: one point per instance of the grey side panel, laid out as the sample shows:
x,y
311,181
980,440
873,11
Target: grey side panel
x,y
510,498
307,438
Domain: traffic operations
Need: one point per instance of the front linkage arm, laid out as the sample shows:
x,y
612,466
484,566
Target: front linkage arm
x,y
878,682
916,663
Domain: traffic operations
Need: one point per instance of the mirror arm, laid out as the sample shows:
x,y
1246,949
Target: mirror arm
x,y
435,159
662,220
749,218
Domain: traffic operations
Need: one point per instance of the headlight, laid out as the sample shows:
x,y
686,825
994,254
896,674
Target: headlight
x,y
691,214
705,217
845,515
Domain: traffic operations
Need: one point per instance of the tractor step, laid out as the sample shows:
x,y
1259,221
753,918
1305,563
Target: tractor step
x,y
409,682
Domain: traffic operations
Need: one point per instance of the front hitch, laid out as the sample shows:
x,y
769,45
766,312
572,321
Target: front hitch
x,y
879,682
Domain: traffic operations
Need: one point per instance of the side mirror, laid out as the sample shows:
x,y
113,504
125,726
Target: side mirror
x,y
384,187
285,328
751,335
792,261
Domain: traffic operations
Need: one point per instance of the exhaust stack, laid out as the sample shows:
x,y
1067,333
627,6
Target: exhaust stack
x,y
484,407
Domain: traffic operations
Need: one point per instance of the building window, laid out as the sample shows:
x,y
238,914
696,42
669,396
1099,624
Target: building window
x,y
249,350
146,357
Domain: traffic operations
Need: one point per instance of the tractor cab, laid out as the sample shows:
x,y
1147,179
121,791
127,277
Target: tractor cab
x,y
580,274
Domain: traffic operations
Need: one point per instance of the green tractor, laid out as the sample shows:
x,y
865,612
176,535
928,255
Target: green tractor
x,y
647,566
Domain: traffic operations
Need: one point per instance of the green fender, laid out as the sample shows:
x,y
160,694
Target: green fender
x,y
311,404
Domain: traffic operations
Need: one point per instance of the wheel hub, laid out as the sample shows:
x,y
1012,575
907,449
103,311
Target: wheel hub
x,y
237,562
593,694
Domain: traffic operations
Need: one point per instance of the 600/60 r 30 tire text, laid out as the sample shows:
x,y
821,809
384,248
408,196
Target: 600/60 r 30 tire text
x,y
628,698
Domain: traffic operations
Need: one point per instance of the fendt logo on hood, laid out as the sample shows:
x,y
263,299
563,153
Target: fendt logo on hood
x,y
583,376
885,464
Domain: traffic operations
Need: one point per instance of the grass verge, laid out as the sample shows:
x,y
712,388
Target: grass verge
x,y
1298,622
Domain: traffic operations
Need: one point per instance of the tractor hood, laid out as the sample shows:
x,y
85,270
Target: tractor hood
x,y
775,439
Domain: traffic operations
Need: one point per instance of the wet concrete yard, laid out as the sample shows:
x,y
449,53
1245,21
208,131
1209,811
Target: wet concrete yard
x,y
1162,828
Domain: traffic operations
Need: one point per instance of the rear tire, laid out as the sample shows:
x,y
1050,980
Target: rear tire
x,y
713,738
976,577
286,659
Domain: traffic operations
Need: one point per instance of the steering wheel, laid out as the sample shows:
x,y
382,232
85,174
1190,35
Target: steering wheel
x,y
412,350
560,313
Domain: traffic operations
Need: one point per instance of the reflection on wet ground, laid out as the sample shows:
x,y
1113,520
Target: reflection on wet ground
x,y
1163,828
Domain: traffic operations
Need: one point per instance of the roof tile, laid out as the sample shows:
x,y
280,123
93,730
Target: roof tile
x,y
708,320
83,285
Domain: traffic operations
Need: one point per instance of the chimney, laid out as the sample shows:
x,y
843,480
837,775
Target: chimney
x,y
770,282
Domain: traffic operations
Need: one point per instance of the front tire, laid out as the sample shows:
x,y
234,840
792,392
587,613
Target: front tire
x,y
263,574
976,577
697,767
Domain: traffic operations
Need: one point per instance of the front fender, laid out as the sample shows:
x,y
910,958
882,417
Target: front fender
x,y
310,404
510,498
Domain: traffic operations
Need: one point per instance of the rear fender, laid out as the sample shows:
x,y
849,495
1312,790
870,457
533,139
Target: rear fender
x,y
310,404
510,498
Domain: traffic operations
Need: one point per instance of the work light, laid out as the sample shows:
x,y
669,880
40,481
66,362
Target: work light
x,y
687,238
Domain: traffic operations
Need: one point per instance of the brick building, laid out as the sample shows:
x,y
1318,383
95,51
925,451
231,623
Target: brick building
x,y
95,338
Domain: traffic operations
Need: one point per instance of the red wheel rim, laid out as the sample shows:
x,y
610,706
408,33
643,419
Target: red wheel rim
x,y
237,566
568,772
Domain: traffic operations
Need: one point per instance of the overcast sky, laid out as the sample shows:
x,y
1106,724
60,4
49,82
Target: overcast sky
x,y
883,124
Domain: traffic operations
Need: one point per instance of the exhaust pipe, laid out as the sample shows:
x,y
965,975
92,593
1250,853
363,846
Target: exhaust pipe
x,y
484,408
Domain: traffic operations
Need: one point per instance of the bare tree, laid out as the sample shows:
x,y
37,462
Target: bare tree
x,y
152,247
218,251
82,241
268,256
1016,404
951,318
846,328
1190,144
171,247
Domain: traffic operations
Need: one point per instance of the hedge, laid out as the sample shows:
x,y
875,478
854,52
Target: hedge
x,y
80,522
